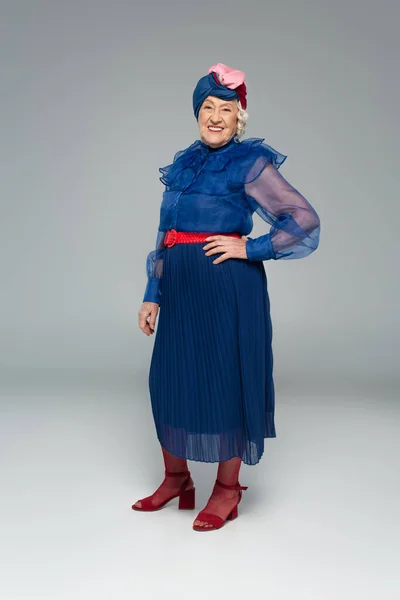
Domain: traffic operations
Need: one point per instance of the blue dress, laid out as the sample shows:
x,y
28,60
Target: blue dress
x,y
211,373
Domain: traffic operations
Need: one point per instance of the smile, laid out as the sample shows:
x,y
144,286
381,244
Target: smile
x,y
216,129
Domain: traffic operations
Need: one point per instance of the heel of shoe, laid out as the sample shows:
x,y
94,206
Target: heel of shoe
x,y
187,500
233,514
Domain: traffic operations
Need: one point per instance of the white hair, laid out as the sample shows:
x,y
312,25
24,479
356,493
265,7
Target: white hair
x,y
243,115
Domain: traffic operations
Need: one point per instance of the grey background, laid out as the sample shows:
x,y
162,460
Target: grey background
x,y
95,96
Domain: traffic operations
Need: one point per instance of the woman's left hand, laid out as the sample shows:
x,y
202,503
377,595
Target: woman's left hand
x,y
230,246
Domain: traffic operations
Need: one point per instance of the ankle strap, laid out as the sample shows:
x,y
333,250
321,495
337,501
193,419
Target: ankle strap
x,y
237,485
176,473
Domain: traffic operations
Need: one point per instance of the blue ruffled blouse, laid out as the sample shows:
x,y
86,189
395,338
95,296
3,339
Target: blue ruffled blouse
x,y
217,190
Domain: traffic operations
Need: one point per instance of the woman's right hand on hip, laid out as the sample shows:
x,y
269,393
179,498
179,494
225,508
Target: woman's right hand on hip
x,y
148,310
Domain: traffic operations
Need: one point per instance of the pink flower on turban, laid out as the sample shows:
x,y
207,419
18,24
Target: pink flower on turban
x,y
232,79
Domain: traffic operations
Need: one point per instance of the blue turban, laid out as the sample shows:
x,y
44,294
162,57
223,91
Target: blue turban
x,y
208,86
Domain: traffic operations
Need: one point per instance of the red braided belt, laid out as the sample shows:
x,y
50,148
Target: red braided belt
x,y
173,237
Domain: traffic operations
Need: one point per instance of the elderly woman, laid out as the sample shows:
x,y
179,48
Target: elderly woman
x,y
211,373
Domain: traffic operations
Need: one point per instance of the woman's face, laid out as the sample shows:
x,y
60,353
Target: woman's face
x,y
217,121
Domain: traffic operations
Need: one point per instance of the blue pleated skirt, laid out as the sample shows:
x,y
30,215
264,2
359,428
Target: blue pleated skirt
x,y
211,371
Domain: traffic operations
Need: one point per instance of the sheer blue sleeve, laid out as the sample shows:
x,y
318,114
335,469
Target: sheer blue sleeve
x,y
295,225
154,270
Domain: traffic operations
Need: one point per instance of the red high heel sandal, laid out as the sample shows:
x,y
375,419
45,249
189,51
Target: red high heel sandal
x,y
215,520
186,497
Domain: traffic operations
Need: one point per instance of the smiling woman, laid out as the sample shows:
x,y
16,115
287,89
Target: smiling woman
x,y
211,374
218,121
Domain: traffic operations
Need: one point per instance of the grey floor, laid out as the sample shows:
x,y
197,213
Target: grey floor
x,y
320,518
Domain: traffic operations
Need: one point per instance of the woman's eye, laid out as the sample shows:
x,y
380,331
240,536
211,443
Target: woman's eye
x,y
225,109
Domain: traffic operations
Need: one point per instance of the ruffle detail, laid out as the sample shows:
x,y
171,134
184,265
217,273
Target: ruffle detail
x,y
243,162
250,159
191,157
